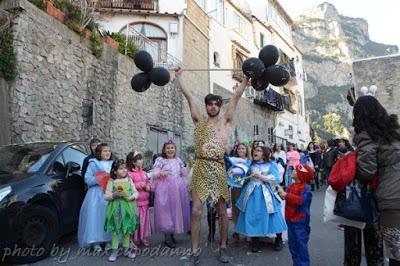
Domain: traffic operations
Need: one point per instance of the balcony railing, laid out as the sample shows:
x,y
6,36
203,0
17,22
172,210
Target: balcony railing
x,y
159,54
127,4
270,99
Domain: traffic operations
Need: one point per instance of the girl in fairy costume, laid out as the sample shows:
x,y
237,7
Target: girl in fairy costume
x,y
121,216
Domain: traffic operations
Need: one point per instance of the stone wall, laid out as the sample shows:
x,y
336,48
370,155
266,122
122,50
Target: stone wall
x,y
57,74
384,73
4,112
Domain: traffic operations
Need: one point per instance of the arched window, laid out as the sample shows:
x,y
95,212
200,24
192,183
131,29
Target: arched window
x,y
237,64
157,46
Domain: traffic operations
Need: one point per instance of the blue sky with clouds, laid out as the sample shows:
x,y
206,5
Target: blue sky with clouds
x,y
383,16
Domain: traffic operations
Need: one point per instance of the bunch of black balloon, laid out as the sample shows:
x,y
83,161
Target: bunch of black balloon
x,y
142,81
263,71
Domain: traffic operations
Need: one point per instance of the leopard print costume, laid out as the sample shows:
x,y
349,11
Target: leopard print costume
x,y
209,174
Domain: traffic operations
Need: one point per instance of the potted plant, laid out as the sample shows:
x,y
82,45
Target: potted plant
x,y
107,38
54,11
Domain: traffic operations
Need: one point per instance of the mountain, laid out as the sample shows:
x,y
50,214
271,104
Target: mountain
x,y
330,42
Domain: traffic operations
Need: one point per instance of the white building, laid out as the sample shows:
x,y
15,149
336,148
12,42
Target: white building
x,y
155,25
238,30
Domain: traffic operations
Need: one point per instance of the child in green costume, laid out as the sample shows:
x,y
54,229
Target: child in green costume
x,y
121,216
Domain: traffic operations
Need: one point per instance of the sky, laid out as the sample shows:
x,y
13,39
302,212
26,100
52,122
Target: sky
x,y
383,16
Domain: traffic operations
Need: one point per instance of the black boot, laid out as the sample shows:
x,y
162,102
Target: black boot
x,y
255,245
278,245
393,262
211,220
168,241
173,239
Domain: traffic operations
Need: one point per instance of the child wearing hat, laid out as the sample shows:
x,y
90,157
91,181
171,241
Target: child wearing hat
x,y
297,213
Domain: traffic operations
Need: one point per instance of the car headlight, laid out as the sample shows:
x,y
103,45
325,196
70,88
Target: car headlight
x,y
4,192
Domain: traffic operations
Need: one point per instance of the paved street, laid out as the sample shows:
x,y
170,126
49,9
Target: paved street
x,y
326,248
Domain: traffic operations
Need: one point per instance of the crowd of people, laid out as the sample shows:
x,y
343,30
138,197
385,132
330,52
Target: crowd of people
x,y
262,179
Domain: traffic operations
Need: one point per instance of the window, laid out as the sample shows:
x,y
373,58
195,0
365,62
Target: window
x,y
237,64
157,47
73,155
216,59
299,105
236,22
274,15
262,40
156,139
202,4
270,135
216,10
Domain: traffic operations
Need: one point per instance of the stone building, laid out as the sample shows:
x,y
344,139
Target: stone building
x,y
384,73
63,92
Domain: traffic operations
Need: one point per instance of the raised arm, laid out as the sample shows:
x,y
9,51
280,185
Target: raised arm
x,y
234,100
189,97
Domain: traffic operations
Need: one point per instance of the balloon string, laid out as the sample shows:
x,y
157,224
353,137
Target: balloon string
x,y
209,69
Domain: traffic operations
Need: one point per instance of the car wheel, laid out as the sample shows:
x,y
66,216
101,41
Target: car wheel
x,y
37,233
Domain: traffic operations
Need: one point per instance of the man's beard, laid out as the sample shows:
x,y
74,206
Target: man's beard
x,y
212,115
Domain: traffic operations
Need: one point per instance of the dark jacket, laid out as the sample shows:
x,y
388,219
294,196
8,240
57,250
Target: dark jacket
x,y
329,158
383,159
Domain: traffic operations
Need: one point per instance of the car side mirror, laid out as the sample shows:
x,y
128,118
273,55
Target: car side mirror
x,y
72,167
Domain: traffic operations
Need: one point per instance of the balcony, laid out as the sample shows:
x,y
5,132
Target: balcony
x,y
271,99
127,4
158,50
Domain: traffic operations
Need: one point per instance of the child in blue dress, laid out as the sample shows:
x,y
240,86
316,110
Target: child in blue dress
x,y
93,211
260,208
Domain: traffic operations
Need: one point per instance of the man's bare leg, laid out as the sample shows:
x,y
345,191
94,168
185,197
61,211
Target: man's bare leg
x,y
223,222
197,207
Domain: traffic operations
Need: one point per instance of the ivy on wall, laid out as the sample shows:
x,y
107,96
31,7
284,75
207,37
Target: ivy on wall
x,y
8,65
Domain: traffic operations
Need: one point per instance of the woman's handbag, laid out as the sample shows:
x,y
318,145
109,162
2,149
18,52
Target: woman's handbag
x,y
357,204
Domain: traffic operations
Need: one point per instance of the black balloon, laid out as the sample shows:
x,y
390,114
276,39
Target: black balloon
x,y
144,61
253,67
269,55
259,84
159,76
277,75
140,82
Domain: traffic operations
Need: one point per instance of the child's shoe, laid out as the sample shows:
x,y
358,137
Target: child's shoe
x,y
108,246
145,243
113,256
130,253
97,248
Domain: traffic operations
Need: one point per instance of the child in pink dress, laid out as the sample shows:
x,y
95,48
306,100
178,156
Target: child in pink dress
x,y
134,162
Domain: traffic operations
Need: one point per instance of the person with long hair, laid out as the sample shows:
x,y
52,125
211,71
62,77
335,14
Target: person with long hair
x,y
121,215
171,200
259,205
315,157
134,164
240,161
92,215
377,138
292,159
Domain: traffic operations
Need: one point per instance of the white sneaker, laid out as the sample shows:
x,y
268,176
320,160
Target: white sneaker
x,y
114,255
130,253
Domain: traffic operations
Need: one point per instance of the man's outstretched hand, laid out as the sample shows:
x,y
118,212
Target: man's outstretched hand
x,y
176,73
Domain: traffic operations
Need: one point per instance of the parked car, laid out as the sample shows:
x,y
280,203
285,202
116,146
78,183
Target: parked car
x,y
41,192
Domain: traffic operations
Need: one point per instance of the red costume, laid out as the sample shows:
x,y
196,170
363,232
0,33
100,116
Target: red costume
x,y
297,215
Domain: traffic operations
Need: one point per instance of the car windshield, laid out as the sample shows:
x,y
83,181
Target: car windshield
x,y
24,158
